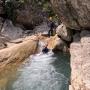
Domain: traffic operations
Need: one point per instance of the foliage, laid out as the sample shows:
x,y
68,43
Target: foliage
x,y
10,8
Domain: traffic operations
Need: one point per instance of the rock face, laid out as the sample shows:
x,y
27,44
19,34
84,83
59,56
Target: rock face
x,y
75,14
1,13
1,7
42,28
55,43
80,61
11,31
63,32
1,23
3,41
29,14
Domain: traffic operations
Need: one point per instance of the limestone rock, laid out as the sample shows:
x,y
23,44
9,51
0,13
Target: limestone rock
x,y
19,52
63,32
80,62
75,14
11,31
55,43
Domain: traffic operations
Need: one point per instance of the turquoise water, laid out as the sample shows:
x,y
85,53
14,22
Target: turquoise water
x,y
42,72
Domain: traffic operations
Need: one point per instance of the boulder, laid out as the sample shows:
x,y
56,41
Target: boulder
x,y
11,31
64,33
75,14
42,28
56,44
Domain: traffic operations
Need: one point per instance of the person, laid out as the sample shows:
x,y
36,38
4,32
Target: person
x,y
45,49
51,24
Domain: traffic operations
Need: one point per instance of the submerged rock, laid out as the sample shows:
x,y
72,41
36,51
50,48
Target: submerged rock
x,y
63,32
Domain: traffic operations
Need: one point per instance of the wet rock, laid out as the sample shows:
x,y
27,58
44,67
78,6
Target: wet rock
x,y
75,14
11,31
56,44
63,32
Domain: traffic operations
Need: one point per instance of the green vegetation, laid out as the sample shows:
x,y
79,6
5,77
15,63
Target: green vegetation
x,y
10,8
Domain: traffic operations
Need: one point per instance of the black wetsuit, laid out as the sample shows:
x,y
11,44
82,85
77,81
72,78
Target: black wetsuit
x,y
45,50
51,25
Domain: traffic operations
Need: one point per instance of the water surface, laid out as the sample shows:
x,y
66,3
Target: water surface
x,y
42,72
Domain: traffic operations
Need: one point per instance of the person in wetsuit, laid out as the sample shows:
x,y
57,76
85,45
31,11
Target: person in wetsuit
x,y
45,49
51,25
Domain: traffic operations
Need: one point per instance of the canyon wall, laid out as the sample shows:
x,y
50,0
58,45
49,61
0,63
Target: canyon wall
x,y
80,61
75,14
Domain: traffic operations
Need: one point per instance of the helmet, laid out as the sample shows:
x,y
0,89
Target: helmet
x,y
50,18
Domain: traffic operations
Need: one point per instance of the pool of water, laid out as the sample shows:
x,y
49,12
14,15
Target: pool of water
x,y
41,72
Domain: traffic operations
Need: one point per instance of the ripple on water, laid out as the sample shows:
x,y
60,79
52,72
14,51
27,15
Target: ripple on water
x,y
42,72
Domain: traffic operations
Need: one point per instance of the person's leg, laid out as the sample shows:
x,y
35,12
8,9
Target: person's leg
x,y
49,33
52,32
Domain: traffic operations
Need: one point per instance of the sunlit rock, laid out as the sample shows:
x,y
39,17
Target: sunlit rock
x,y
63,32
19,52
80,62
56,44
